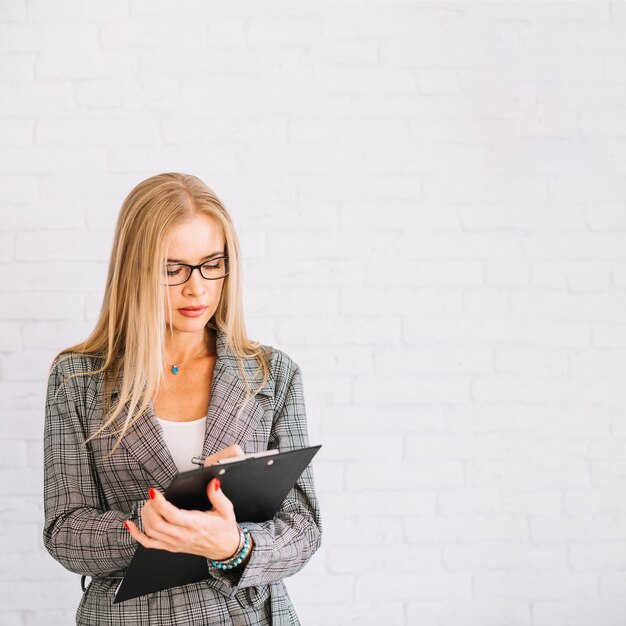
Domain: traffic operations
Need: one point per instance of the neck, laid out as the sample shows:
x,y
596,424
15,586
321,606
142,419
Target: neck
x,y
181,347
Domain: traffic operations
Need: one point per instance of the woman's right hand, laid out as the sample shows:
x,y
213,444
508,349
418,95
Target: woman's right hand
x,y
225,453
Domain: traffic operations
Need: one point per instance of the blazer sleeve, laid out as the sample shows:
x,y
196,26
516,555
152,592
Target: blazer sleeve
x,y
283,545
80,535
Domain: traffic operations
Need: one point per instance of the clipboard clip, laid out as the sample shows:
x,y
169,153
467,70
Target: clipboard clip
x,y
198,460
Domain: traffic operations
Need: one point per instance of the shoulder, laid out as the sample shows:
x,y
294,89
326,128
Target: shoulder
x,y
283,367
280,364
68,368
283,370
287,378
68,363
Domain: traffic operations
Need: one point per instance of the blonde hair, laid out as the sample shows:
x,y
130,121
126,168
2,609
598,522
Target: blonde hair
x,y
130,332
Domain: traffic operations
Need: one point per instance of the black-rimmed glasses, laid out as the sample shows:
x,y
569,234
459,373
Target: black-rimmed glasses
x,y
179,273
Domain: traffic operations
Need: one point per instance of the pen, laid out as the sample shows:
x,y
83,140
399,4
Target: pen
x,y
198,460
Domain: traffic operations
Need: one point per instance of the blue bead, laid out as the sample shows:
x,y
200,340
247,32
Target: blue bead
x,y
174,370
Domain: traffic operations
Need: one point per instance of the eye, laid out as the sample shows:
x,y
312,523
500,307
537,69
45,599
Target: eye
x,y
173,270
214,264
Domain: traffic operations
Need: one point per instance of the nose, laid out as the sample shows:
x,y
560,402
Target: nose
x,y
196,283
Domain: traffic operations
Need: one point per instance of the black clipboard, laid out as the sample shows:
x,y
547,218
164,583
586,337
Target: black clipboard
x,y
256,486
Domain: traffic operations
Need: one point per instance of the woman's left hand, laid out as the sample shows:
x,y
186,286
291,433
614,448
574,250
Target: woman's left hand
x,y
212,534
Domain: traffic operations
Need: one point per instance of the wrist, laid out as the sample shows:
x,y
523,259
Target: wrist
x,y
239,539
240,555
247,557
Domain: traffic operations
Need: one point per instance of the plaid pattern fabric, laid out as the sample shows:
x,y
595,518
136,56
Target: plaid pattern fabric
x,y
87,496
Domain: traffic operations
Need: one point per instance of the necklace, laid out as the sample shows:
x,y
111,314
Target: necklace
x,y
175,368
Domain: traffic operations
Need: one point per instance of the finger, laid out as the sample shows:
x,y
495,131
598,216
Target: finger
x,y
156,527
146,541
169,534
234,450
166,510
225,453
174,537
221,504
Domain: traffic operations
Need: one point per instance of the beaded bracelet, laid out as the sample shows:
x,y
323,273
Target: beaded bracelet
x,y
239,556
242,541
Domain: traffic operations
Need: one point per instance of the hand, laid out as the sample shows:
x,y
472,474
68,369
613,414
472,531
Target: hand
x,y
212,534
224,453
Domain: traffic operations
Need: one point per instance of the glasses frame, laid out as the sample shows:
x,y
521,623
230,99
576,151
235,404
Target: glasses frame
x,y
198,267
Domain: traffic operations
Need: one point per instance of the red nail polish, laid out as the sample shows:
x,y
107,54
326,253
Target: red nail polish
x,y
217,484
126,524
152,493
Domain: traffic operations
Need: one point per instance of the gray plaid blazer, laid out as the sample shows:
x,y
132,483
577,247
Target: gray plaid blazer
x,y
87,497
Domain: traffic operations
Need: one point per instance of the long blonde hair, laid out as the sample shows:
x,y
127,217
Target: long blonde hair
x,y
130,332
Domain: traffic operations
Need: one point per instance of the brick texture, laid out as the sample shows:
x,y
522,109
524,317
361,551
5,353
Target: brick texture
x,y
431,202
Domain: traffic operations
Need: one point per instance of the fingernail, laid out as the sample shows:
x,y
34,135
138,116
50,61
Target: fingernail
x,y
126,524
217,484
152,493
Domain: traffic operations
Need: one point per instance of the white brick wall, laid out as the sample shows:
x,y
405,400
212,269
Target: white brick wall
x,y
432,206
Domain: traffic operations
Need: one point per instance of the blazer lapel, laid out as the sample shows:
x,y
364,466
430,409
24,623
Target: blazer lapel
x,y
228,392
144,439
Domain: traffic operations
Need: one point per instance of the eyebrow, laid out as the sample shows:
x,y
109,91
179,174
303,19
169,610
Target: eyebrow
x,y
204,258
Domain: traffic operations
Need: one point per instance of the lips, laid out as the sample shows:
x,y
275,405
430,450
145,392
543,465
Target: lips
x,y
193,308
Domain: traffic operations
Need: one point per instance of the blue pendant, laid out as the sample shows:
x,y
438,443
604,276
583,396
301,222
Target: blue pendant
x,y
174,369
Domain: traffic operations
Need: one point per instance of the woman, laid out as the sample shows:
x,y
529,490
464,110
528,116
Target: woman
x,y
167,374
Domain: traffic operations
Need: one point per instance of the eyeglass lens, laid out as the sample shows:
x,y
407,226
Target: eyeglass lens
x,y
175,273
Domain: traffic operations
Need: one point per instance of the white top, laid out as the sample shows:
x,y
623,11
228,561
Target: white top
x,y
184,440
